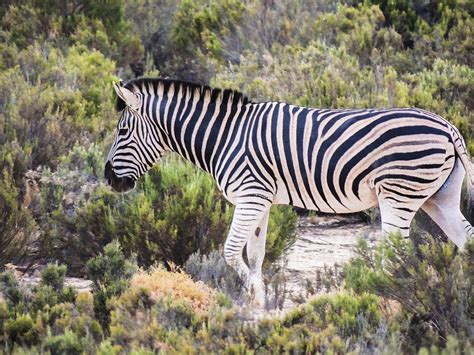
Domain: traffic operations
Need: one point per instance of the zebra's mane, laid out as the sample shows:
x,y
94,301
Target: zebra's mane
x,y
139,85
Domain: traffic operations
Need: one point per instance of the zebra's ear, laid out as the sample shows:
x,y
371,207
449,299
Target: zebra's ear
x,y
132,100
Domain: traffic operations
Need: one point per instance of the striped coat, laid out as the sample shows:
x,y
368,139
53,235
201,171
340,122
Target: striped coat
x,y
336,161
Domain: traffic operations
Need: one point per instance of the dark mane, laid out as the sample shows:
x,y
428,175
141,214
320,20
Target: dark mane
x,y
138,84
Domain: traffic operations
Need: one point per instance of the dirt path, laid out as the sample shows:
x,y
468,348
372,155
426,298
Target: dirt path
x,y
321,241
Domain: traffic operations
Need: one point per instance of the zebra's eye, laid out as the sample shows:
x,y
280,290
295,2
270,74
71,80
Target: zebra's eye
x,y
123,131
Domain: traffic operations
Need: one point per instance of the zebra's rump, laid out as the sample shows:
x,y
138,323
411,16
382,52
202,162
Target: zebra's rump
x,y
334,160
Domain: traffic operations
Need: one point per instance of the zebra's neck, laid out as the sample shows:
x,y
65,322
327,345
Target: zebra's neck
x,y
199,123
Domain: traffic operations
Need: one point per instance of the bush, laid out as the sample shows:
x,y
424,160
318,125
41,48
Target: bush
x,y
431,281
338,323
42,121
21,330
213,270
179,208
166,311
53,276
51,290
110,274
17,223
67,343
10,288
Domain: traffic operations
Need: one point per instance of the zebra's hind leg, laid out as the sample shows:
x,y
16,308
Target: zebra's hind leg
x,y
396,209
444,208
248,216
395,217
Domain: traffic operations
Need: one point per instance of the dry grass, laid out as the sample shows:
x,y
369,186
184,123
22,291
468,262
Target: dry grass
x,y
160,283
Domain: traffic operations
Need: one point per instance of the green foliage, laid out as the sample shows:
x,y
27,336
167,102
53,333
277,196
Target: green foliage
x,y
166,311
414,18
215,272
89,161
53,276
446,89
198,26
281,233
21,330
67,343
179,208
188,39
45,120
16,223
87,22
49,314
150,310
432,282
341,323
356,29
110,274
10,288
22,24
111,270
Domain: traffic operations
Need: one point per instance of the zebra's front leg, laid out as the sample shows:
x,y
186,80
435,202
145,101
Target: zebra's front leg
x,y
255,256
247,218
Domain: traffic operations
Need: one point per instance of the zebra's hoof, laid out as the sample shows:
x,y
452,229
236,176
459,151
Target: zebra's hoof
x,y
257,294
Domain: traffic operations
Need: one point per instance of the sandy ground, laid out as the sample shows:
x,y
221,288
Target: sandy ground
x,y
322,241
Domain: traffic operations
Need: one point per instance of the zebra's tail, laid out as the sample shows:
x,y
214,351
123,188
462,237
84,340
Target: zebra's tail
x,y
461,152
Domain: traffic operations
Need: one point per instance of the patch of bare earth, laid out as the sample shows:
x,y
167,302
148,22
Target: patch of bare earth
x,y
322,242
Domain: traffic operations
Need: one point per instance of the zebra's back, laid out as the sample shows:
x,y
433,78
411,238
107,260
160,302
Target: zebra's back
x,y
335,160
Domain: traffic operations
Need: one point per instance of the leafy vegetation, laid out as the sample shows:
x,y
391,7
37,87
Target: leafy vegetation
x,y
57,119
414,298
432,282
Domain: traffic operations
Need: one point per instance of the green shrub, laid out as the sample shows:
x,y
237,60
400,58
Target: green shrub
x,y
21,330
54,100
431,281
66,343
110,274
357,29
163,306
111,270
200,30
89,161
23,25
281,233
16,223
10,288
53,276
179,208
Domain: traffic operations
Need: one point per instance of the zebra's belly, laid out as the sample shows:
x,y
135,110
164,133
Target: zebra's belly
x,y
314,200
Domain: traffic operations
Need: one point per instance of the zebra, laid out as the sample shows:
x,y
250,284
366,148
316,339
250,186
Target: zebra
x,y
266,153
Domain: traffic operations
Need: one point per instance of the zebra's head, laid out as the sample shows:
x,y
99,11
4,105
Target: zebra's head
x,y
136,146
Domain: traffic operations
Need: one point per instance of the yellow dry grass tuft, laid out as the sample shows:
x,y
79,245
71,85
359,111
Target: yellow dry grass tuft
x,y
160,283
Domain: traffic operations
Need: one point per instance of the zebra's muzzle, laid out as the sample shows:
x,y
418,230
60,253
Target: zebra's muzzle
x,y
119,184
